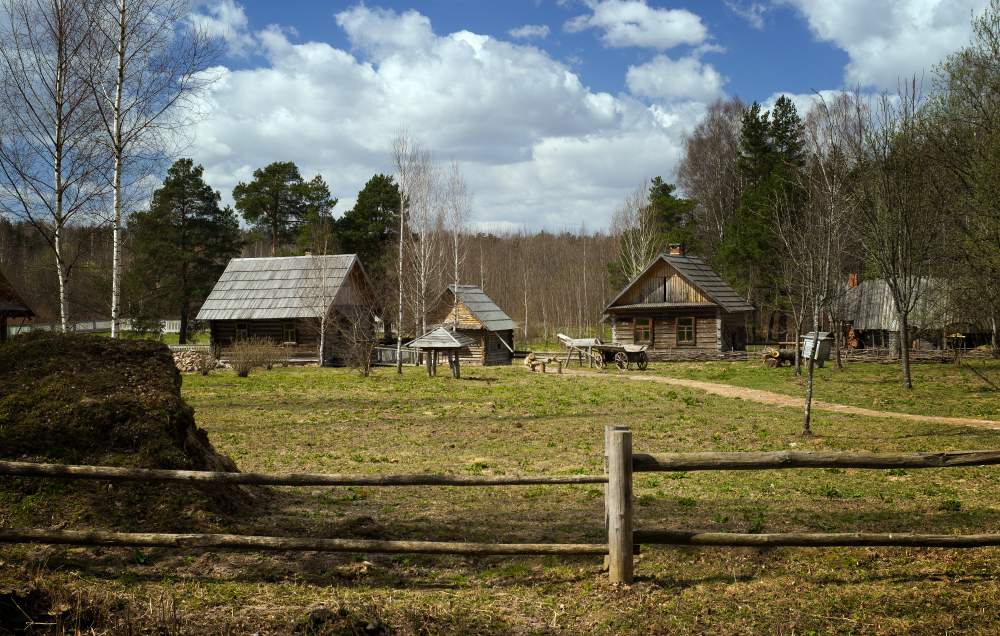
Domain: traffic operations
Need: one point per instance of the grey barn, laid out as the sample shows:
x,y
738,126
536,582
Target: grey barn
x,y
284,298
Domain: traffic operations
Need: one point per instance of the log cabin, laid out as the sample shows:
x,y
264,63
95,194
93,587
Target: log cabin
x,y
466,309
681,309
283,299
11,306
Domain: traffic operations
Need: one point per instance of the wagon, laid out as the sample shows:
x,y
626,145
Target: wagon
x,y
600,355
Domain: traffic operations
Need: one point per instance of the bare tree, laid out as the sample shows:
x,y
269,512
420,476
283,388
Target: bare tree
x,y
357,334
324,285
899,216
148,60
425,253
635,227
458,208
49,156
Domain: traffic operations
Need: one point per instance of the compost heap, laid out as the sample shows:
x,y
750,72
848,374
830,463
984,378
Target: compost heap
x,y
78,399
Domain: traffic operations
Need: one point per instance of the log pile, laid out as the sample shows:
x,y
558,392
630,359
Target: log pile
x,y
194,361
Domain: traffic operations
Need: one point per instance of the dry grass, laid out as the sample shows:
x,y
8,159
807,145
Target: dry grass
x,y
506,421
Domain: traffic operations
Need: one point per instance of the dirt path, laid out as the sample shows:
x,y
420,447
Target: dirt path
x,y
780,399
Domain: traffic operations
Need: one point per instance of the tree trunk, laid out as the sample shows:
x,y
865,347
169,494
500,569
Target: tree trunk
x,y
810,373
798,348
185,310
904,348
118,157
995,338
61,275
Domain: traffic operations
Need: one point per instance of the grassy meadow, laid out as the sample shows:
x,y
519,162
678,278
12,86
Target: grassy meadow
x,y
507,421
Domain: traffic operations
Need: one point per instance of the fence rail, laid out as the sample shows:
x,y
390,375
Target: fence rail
x,y
623,540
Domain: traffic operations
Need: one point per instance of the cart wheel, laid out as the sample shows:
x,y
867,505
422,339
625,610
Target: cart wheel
x,y
621,360
599,360
643,361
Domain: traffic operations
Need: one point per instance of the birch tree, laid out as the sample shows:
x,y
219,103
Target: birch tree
x,y
148,60
635,227
458,208
425,248
49,158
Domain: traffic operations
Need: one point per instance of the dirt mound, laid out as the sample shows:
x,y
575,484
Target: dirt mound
x,y
90,400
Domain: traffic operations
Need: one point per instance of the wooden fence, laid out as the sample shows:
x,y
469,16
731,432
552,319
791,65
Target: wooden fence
x,y
623,540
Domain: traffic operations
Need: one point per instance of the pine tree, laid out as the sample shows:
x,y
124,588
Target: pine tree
x,y
180,247
369,228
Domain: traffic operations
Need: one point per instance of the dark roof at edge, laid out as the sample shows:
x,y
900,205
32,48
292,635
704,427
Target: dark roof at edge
x,y
11,303
482,307
699,274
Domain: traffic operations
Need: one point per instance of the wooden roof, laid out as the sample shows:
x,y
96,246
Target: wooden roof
x,y
278,287
482,307
441,338
11,303
697,272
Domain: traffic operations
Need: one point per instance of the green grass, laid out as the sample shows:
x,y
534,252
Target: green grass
x,y
938,388
506,421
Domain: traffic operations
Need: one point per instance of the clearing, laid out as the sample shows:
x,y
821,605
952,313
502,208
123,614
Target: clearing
x,y
507,421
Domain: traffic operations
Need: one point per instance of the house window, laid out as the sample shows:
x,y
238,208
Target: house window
x,y
685,331
642,330
241,331
288,332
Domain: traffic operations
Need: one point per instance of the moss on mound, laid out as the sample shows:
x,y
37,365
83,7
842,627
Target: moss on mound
x,y
80,399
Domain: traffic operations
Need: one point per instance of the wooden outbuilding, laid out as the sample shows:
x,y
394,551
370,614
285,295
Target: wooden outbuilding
x,y
283,300
466,309
11,306
442,340
681,309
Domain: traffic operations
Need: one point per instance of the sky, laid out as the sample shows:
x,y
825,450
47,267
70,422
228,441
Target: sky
x,y
553,109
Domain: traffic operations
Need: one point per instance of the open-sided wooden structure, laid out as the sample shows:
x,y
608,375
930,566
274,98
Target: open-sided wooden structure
x,y
679,308
442,340
11,306
467,310
283,298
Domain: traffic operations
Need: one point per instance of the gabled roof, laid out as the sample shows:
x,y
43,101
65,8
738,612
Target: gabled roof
x,y
697,272
482,307
11,303
278,287
441,338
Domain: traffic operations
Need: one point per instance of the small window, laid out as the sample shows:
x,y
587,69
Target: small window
x,y
288,332
685,331
642,330
241,331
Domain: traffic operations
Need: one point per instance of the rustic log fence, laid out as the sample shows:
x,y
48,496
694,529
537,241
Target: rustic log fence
x,y
623,540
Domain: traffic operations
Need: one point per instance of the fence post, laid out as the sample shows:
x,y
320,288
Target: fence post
x,y
619,506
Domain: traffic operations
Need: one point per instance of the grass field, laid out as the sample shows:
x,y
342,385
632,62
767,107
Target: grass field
x,y
938,388
506,421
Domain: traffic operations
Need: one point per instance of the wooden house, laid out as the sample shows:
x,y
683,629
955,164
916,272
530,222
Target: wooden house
x,y
283,299
467,310
11,306
680,309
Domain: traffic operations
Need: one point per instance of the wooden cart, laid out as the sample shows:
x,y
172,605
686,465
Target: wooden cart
x,y
601,355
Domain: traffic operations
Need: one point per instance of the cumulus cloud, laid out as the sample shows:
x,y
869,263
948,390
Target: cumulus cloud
x,y
538,147
804,102
226,20
889,40
529,31
626,23
664,78
752,12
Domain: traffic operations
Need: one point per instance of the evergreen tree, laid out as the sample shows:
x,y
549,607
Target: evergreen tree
x,y
369,228
279,203
317,233
672,214
180,247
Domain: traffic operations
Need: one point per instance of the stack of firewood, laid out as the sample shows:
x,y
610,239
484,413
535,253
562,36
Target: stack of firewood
x,y
191,361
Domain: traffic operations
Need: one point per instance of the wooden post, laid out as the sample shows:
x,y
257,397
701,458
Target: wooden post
x,y
430,370
619,503
559,365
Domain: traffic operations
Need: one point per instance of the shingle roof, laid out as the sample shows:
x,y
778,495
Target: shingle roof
x,y
11,303
441,338
482,307
698,273
275,288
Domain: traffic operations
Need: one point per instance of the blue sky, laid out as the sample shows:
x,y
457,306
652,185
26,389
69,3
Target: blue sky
x,y
554,109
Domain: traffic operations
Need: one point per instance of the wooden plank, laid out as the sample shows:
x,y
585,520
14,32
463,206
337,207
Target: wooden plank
x,y
619,502
643,462
809,539
257,542
115,473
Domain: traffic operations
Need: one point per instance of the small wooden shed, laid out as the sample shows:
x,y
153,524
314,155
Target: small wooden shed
x,y
438,340
282,299
11,306
466,309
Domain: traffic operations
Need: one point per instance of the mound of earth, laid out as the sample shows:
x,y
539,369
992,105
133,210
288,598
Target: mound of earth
x,y
79,399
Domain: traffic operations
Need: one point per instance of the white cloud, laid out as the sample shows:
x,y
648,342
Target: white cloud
x,y
664,78
627,23
529,31
226,20
804,102
752,12
538,148
889,40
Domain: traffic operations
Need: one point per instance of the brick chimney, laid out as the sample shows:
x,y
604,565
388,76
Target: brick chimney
x,y
678,249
